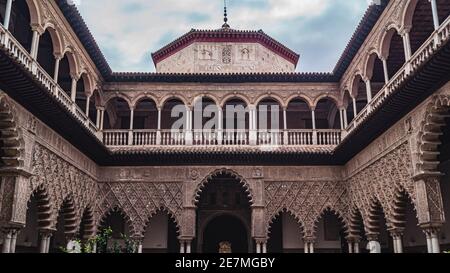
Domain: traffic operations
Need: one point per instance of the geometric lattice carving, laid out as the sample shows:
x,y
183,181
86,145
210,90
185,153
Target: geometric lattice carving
x,y
381,182
140,201
305,201
61,181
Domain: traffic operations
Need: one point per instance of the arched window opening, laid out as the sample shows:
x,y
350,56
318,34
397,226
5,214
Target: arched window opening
x,y
20,23
348,102
117,242
235,115
94,101
161,235
64,78
285,235
327,115
375,73
117,115
270,115
396,58
145,115
299,115
359,88
81,98
45,55
174,112
331,234
205,110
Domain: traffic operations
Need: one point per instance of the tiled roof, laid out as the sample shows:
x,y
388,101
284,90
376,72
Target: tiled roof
x,y
225,35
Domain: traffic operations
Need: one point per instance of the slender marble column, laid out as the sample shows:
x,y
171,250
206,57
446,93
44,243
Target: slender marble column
x,y
7,13
434,9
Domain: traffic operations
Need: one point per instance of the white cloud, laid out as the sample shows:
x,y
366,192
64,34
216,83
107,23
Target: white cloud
x,y
127,31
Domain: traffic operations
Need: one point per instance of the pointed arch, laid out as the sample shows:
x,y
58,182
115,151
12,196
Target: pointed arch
x,y
11,140
284,209
87,224
128,221
429,135
168,212
202,185
340,215
45,216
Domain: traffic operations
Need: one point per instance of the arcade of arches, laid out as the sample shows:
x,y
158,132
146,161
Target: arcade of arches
x,y
392,196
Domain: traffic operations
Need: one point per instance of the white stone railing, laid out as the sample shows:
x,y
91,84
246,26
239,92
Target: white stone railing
x,y
147,138
300,137
21,56
439,37
329,137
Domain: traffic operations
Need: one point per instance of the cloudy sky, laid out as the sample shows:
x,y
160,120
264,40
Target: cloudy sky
x,y
128,31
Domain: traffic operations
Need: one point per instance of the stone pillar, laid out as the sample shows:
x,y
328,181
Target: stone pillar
x,y
97,122
285,127
406,44
73,90
258,247
56,71
397,238
45,241
7,237
374,244
309,245
264,247
189,134
130,133
432,234
434,9
12,248
341,118
253,135
7,13
182,247
88,101
385,70
368,90
188,247
355,109
350,247
158,132
356,247
220,126
35,43
345,118
313,114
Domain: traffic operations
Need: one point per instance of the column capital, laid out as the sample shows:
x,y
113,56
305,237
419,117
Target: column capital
x,y
353,238
396,232
46,232
405,30
74,76
309,239
260,240
428,230
37,28
373,236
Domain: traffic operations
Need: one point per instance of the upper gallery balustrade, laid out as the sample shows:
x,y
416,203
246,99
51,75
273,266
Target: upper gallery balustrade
x,y
403,52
